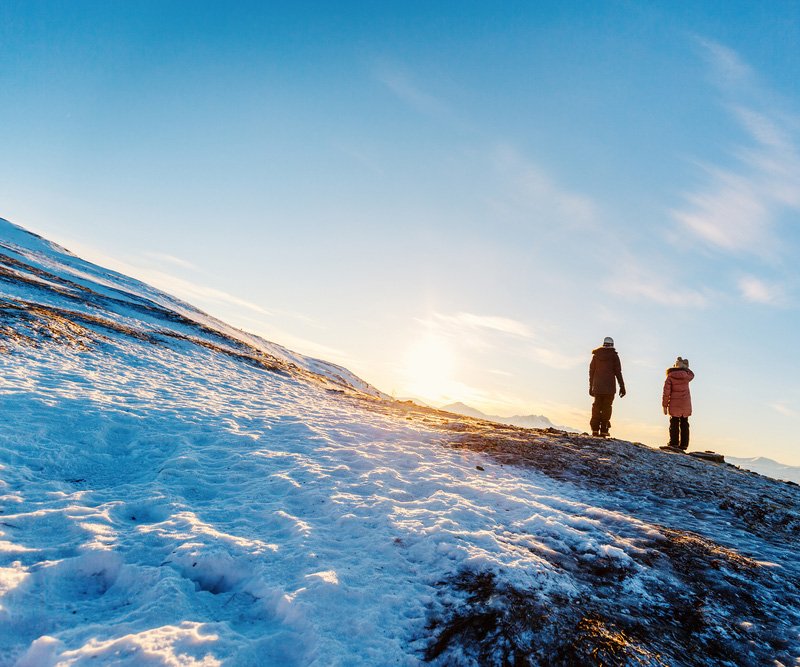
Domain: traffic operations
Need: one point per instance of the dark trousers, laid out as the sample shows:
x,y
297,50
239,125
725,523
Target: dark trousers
x,y
601,412
679,426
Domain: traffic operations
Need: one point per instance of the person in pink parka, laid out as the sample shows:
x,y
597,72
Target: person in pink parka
x,y
677,403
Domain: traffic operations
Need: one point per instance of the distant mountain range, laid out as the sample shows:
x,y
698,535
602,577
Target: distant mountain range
x,y
768,467
525,421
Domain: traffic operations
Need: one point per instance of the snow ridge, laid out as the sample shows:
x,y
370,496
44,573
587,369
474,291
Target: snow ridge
x,y
173,491
126,302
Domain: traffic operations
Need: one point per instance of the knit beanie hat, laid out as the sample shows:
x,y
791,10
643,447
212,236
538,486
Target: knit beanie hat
x,y
608,341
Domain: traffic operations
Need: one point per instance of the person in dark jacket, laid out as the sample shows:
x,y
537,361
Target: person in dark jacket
x,y
677,403
605,371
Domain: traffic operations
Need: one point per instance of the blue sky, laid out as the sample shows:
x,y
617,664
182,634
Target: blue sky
x,y
457,201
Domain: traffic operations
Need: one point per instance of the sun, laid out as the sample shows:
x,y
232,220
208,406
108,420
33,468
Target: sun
x,y
429,365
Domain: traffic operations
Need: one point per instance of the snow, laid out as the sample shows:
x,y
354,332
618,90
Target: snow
x,y
181,500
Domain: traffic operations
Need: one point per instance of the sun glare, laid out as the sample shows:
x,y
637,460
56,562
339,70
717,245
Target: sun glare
x,y
429,367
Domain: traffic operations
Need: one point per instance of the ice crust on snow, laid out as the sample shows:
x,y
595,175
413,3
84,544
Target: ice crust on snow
x,y
171,497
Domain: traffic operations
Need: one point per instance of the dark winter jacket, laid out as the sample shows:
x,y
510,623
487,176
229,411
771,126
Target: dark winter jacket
x,y
676,396
605,370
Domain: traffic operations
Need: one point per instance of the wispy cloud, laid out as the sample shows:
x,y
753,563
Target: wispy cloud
x,y
401,84
731,214
638,284
505,325
538,193
729,69
478,333
736,210
782,408
193,292
162,258
489,333
756,290
361,157
555,359
776,157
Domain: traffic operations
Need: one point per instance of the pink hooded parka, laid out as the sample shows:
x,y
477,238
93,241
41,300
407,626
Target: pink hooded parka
x,y
676,396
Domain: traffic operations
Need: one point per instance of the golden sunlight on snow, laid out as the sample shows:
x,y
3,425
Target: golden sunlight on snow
x,y
428,368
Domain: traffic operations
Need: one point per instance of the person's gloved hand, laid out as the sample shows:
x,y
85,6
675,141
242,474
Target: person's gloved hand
x,y
621,392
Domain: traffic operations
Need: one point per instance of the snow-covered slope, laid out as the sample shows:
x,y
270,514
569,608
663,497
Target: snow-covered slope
x,y
56,279
525,421
175,492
